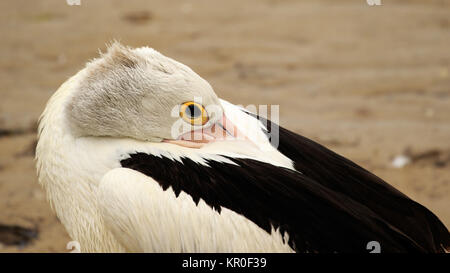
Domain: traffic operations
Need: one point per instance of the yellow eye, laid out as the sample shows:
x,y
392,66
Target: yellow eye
x,y
193,113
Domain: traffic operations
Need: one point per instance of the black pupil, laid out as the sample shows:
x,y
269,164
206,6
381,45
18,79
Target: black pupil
x,y
193,111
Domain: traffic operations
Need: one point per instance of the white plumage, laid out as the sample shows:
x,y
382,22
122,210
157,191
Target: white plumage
x,y
107,208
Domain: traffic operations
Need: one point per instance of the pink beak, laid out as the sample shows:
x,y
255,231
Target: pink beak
x,y
224,129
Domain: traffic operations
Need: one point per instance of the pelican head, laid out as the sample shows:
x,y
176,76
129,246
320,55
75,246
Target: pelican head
x,y
142,94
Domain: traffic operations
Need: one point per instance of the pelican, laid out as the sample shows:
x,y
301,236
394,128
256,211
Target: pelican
x,y
137,153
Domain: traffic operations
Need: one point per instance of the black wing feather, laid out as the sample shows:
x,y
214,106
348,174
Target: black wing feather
x,y
317,219
342,175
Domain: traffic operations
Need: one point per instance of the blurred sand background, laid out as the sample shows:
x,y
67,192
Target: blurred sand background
x,y
368,82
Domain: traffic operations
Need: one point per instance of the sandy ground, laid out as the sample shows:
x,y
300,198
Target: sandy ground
x,y
368,82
